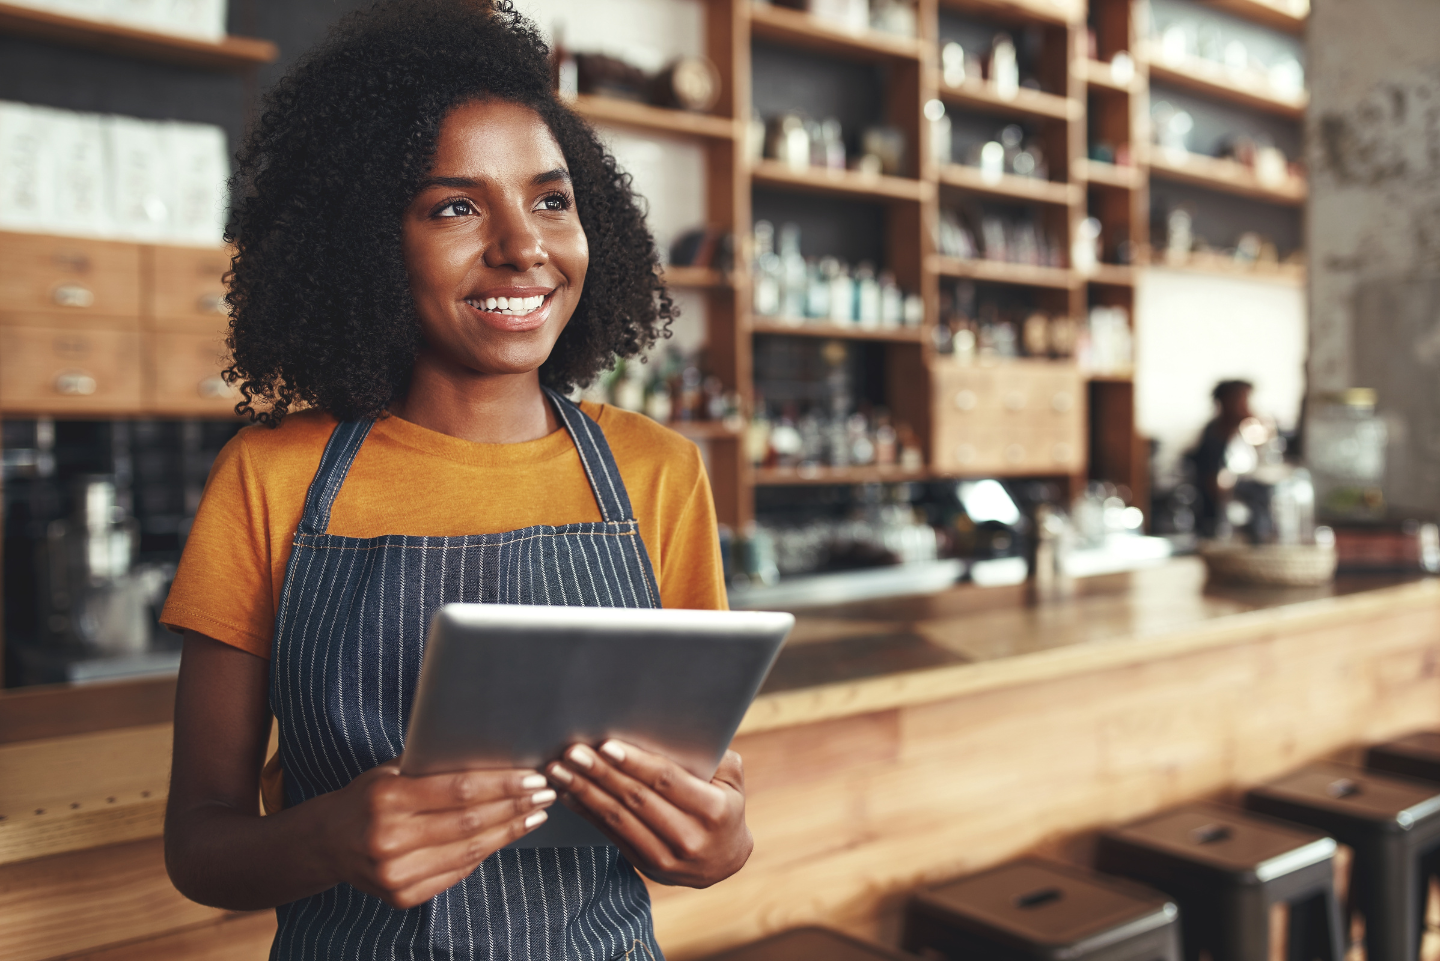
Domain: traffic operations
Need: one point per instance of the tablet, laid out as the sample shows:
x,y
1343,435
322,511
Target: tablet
x,y
512,686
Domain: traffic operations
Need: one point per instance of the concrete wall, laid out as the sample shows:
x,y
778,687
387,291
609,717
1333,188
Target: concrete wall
x,y
1374,230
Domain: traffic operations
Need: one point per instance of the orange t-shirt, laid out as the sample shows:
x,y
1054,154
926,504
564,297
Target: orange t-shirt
x,y
407,479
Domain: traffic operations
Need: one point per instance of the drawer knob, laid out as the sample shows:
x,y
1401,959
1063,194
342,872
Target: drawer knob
x,y
215,388
1015,453
211,304
74,383
1014,400
966,400
73,295
1062,402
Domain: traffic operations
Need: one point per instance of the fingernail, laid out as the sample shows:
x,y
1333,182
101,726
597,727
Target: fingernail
x,y
531,781
561,775
542,797
582,756
537,818
613,750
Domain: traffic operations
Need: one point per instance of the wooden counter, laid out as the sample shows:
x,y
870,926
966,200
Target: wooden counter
x,y
898,742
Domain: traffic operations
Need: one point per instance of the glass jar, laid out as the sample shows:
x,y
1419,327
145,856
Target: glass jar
x,y
1346,445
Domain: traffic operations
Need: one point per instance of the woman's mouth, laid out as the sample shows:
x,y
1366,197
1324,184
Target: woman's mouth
x,y
512,313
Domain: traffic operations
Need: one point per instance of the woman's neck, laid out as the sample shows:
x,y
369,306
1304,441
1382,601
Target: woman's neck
x,y
482,408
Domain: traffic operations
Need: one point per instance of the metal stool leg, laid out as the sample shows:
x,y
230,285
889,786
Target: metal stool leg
x,y
1314,933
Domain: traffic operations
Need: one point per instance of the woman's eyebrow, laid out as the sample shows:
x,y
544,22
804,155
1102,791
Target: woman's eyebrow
x,y
551,176
458,182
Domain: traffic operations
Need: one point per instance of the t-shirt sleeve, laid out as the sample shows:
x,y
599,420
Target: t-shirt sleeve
x,y
691,573
223,587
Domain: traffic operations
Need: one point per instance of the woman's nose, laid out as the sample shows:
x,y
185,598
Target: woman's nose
x,y
514,241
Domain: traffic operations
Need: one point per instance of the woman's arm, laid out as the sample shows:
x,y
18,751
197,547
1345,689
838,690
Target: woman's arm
x,y
402,839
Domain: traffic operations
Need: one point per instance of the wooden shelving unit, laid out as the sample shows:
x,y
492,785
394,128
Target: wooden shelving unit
x,y
845,183
1215,80
1009,187
1054,12
1096,74
1099,174
1000,272
655,120
815,328
791,476
1269,13
793,27
229,54
982,95
1226,176
698,277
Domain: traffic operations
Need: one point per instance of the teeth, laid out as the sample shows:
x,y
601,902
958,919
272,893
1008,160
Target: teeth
x,y
508,305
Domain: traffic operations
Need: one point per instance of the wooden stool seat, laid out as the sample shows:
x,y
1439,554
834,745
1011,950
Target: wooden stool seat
x,y
1036,909
1393,826
1226,869
811,944
1414,755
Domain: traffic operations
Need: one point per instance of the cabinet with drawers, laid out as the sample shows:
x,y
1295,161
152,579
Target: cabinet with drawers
x,y
90,327
1016,419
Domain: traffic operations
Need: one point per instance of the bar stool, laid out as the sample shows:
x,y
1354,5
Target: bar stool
x,y
810,944
1393,826
1226,869
1031,909
1414,755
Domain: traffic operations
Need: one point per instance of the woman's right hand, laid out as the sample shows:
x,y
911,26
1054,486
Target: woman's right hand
x,y
405,839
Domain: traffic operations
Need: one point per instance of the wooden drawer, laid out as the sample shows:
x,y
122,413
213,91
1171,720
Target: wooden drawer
x,y
69,371
184,374
65,275
186,287
1012,419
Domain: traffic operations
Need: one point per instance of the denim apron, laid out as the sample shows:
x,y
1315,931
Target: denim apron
x,y
349,636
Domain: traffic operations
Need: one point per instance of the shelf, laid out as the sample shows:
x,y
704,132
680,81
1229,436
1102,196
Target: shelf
x,y
1289,275
1223,175
1265,12
1250,89
981,95
999,272
1100,174
790,476
799,29
642,116
227,54
699,277
1057,12
1112,275
811,328
1009,186
1099,74
1110,378
845,183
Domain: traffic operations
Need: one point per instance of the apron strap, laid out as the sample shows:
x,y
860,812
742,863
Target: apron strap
x,y
596,458
335,463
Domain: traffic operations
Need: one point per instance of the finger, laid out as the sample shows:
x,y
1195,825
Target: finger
x,y
666,778
636,840
444,792
731,772
418,867
433,828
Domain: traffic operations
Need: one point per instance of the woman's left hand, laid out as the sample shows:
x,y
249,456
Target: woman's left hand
x,y
674,827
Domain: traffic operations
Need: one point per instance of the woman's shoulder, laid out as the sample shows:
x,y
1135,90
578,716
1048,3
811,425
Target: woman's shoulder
x,y
297,442
638,440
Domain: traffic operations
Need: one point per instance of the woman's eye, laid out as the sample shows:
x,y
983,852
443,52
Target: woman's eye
x,y
555,202
457,208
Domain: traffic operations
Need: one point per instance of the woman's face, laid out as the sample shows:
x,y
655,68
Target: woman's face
x,y
493,243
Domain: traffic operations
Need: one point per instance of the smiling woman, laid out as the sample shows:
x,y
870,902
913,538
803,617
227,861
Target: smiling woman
x,y
430,250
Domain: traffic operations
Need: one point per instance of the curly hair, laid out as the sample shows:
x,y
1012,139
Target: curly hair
x,y
320,303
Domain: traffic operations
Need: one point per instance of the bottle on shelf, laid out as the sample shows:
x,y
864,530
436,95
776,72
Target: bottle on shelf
x,y
767,280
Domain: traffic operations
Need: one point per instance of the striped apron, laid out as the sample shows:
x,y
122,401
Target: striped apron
x,y
349,636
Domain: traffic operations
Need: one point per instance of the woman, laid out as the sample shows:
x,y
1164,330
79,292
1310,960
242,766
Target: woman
x,y
431,250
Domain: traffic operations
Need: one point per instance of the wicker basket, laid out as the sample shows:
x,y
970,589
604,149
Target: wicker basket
x,y
1279,565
